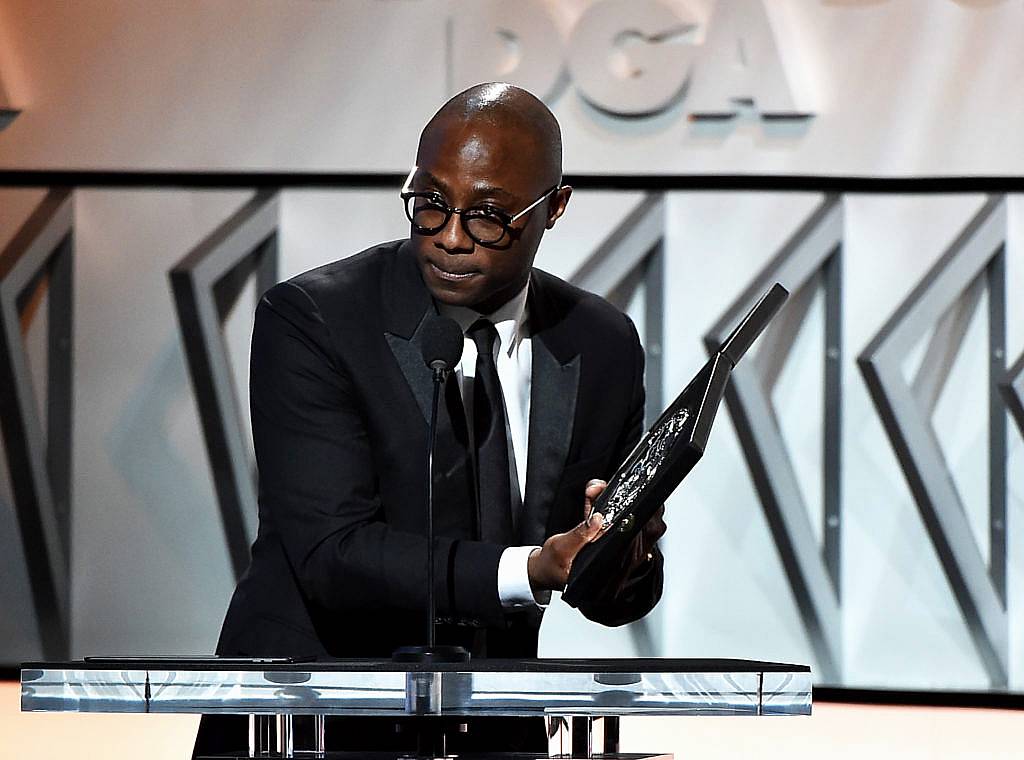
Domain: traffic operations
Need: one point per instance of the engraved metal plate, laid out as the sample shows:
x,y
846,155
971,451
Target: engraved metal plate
x,y
645,467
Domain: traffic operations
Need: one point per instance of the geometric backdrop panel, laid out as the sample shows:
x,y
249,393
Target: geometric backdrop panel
x,y
808,262
938,309
38,451
206,283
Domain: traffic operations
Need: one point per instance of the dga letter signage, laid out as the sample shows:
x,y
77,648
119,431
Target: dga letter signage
x,y
628,57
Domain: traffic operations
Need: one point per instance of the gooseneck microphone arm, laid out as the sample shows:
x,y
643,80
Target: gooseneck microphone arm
x,y
441,342
440,372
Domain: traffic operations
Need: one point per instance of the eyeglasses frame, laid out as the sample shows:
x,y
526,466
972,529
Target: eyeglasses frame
x,y
502,216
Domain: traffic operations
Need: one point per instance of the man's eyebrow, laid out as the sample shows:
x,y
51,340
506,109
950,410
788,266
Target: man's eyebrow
x,y
482,189
433,180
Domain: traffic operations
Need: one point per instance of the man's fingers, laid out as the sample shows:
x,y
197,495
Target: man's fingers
x,y
565,546
591,527
654,530
584,533
593,490
655,527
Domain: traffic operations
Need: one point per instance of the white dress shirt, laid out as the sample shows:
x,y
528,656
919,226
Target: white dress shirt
x,y
514,363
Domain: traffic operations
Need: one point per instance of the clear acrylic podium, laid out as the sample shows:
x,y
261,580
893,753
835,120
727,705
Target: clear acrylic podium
x,y
576,696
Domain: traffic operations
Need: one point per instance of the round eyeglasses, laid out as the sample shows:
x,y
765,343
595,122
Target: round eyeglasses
x,y
429,214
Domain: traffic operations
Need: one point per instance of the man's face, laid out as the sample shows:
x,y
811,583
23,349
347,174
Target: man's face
x,y
479,164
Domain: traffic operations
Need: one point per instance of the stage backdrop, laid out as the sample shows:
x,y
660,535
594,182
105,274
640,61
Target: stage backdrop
x,y
857,497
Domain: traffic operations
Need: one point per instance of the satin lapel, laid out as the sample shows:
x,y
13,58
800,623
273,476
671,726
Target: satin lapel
x,y
417,374
408,304
554,387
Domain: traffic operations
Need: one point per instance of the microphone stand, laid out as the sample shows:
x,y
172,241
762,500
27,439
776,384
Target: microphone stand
x,y
439,375
423,690
432,652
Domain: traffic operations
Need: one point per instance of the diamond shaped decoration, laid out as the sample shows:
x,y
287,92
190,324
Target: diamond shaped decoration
x,y
810,260
206,283
39,451
945,298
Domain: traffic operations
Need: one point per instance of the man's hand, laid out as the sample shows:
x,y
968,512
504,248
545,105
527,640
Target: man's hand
x,y
642,550
549,566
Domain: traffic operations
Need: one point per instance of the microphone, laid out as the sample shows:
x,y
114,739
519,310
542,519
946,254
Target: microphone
x,y
441,342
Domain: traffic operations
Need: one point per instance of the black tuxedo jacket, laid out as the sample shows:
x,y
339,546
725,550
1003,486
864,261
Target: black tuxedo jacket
x,y
340,400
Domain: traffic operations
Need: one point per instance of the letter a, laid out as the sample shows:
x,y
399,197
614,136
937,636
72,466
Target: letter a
x,y
740,66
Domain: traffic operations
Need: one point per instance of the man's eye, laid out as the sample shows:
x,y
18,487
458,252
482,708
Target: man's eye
x,y
491,211
432,197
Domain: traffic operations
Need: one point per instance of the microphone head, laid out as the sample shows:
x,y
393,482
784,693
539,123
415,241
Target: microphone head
x,y
441,343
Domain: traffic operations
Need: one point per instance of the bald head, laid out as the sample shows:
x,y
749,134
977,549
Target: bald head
x,y
514,111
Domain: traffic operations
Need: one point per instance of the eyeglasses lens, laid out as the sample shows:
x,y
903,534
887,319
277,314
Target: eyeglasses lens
x,y
484,229
430,216
425,214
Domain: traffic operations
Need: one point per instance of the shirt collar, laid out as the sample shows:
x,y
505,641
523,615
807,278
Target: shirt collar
x,y
508,320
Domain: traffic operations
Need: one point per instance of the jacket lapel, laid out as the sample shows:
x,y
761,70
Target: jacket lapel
x,y
409,303
555,382
554,388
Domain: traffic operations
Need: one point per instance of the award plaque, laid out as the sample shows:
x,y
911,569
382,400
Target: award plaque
x,y
664,456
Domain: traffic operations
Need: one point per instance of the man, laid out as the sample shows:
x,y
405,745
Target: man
x,y
548,397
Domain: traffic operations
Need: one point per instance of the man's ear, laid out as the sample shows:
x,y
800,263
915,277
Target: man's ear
x,y
558,204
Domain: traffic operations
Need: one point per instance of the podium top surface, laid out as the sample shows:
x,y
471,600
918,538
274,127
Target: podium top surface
x,y
381,687
555,665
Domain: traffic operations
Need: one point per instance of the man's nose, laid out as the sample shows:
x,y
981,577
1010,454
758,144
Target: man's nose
x,y
452,238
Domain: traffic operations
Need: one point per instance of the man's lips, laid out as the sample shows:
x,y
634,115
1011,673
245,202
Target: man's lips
x,y
448,275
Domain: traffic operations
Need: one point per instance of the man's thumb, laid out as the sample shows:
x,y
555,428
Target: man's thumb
x,y
589,529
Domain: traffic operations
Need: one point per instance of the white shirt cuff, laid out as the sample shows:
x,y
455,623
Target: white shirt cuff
x,y
514,580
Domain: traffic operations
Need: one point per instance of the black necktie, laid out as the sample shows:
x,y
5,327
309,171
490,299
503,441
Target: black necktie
x,y
494,494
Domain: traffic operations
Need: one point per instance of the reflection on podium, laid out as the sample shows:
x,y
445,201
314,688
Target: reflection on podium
x,y
288,704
